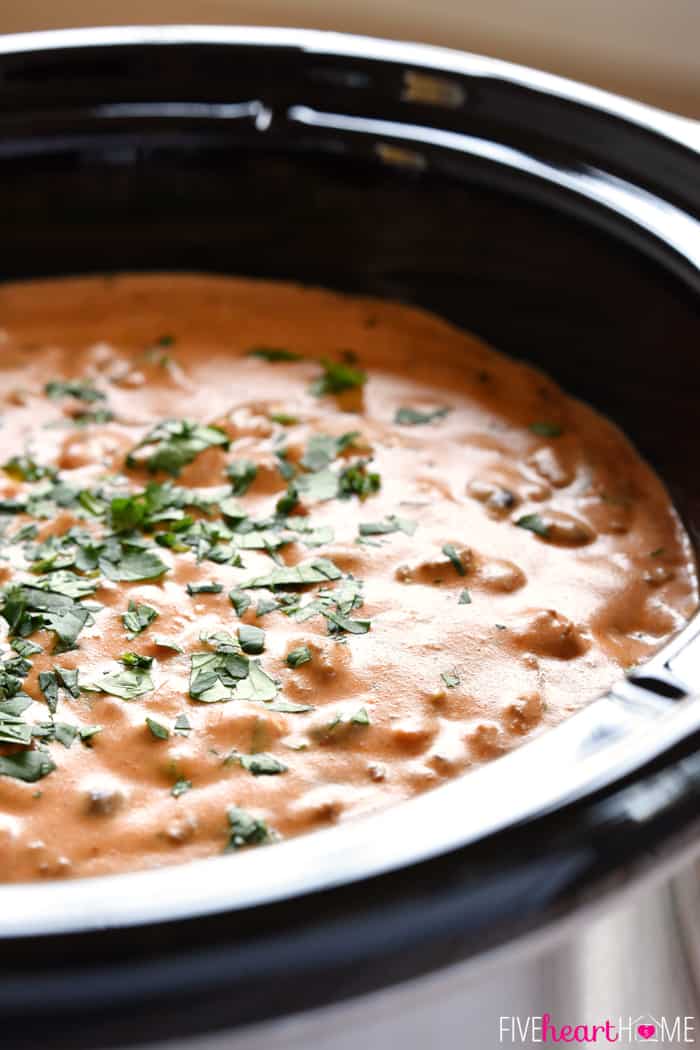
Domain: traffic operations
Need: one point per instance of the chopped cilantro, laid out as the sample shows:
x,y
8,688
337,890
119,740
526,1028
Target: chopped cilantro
x,y
81,390
174,443
24,468
241,473
160,732
274,354
465,598
180,787
534,523
300,655
252,639
131,659
204,588
25,648
289,708
450,551
356,480
414,417
138,618
337,376
126,684
29,766
262,764
239,600
182,725
318,571
163,642
247,830
284,419
450,678
315,488
548,430
322,449
131,564
390,524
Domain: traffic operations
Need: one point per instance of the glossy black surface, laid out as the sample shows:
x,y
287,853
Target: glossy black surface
x,y
96,176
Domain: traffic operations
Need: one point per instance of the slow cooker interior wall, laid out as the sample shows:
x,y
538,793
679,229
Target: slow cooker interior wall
x,y
609,324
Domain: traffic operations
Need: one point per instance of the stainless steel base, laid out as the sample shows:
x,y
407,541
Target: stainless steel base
x,y
635,959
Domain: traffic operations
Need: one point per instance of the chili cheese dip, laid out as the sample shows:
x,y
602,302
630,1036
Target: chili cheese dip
x,y
273,557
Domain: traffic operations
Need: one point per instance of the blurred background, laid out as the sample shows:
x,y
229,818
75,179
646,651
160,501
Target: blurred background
x,y
647,49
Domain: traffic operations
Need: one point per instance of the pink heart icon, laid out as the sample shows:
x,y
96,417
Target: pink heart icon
x,y
646,1030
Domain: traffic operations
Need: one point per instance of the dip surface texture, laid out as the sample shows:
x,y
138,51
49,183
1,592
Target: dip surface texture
x,y
274,557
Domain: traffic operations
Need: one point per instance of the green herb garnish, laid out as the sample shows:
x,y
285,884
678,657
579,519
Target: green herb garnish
x,y
204,588
356,480
29,766
174,443
337,377
548,430
297,657
319,571
138,618
247,830
274,354
251,638
262,764
160,732
450,551
241,473
414,417
534,523
81,390
180,787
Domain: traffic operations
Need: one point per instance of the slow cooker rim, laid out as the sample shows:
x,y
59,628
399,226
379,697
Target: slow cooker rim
x,y
20,912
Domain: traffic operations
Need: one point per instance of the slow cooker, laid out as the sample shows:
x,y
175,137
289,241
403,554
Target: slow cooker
x,y
562,225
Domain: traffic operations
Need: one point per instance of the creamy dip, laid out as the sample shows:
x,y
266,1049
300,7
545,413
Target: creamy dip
x,y
274,557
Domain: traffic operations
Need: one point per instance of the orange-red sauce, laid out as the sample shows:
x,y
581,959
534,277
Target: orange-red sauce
x,y
482,631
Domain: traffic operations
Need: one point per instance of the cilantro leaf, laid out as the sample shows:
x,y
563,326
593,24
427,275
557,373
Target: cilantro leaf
x,y
126,684
241,473
337,376
262,764
297,657
239,600
322,449
356,480
390,524
318,487
318,571
274,354
173,443
247,830
160,732
548,430
450,551
81,390
138,618
252,639
132,564
29,766
414,417
204,588
534,523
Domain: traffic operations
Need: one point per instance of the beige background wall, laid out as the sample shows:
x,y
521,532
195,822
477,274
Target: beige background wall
x,y
646,48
